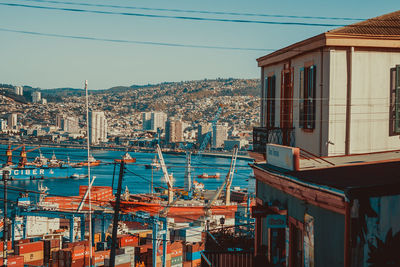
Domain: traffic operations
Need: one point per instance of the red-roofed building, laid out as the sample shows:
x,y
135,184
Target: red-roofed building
x,y
328,149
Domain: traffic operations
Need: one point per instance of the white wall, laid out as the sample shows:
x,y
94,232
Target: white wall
x,y
337,102
371,101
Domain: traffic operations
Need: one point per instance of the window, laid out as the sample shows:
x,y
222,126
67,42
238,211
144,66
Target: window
x,y
270,95
307,97
394,125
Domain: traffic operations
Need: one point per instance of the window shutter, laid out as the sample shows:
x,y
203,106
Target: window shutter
x,y
397,103
301,99
265,102
312,97
273,84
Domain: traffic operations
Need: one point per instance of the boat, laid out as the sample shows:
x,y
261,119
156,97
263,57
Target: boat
x,y
181,211
202,205
39,168
78,176
206,176
127,158
92,161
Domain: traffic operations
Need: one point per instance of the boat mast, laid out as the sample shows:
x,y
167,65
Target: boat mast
x,y
89,179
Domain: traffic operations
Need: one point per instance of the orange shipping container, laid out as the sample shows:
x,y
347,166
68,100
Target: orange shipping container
x,y
33,256
9,244
29,247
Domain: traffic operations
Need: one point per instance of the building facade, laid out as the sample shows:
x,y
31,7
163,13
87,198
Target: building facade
x,y
36,97
154,120
18,90
327,192
219,135
12,121
323,93
97,127
174,131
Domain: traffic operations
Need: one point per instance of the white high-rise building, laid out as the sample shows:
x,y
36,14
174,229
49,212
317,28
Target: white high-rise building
x,y
97,127
12,120
18,90
36,97
219,134
3,125
154,120
158,120
71,125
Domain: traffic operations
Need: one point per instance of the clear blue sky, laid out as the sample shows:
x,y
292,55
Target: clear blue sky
x,y
50,62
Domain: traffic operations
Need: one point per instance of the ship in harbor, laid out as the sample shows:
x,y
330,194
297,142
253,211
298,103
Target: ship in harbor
x,y
40,167
185,204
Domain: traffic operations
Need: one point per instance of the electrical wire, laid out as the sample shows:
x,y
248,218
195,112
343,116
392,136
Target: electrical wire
x,y
197,11
187,18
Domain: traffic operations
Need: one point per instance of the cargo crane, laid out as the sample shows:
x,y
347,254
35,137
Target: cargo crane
x,y
9,153
227,184
168,178
23,160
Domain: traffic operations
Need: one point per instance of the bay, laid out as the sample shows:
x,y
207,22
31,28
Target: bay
x,y
136,177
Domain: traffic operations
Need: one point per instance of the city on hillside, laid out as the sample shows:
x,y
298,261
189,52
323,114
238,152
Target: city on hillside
x,y
176,115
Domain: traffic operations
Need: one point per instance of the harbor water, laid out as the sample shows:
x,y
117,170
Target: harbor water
x,y
136,177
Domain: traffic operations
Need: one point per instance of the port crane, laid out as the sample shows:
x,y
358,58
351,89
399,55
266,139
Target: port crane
x,y
167,177
23,160
9,153
226,184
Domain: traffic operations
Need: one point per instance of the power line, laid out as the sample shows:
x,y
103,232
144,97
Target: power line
x,y
133,41
175,17
198,11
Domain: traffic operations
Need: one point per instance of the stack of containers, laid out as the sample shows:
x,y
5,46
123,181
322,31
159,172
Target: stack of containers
x,y
149,256
15,261
50,245
193,253
189,234
32,253
176,254
123,260
128,250
100,257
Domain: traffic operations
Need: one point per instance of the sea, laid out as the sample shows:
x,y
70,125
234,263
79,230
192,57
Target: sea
x,y
135,176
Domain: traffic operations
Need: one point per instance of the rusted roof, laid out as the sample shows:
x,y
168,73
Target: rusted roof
x,y
385,25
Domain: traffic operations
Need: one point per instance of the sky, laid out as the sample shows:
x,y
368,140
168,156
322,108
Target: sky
x,y
35,49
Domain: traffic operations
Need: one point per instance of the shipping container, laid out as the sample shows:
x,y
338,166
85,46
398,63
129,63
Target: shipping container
x,y
29,247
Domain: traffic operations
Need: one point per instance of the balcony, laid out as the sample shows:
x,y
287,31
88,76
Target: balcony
x,y
280,136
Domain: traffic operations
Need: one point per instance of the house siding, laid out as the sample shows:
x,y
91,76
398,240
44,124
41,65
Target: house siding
x,y
328,226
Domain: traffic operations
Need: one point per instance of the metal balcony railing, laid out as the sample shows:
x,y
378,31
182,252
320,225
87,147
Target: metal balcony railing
x,y
280,136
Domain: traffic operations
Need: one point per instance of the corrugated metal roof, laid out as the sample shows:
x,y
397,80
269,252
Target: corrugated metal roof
x,y
385,25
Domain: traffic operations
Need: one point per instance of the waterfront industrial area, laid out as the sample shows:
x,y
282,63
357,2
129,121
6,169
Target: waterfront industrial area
x,y
296,168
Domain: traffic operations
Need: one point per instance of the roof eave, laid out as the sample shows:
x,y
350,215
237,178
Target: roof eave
x,y
293,50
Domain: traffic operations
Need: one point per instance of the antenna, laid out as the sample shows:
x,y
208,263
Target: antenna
x,y
89,179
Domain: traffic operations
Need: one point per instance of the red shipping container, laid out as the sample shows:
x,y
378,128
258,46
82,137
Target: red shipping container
x,y
128,240
29,247
36,263
9,247
16,261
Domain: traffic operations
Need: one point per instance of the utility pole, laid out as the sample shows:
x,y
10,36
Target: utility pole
x,y
116,214
6,175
